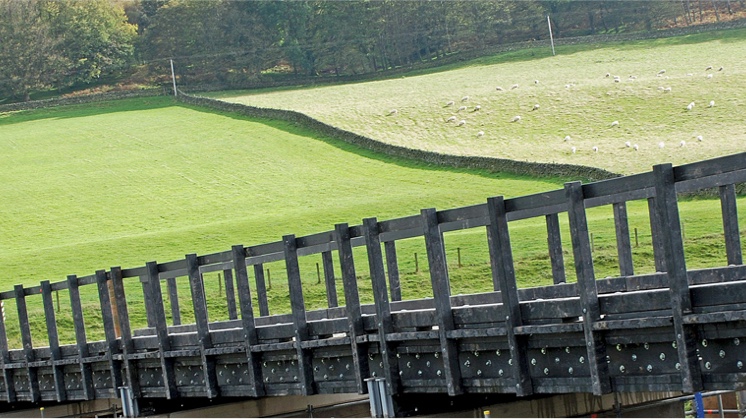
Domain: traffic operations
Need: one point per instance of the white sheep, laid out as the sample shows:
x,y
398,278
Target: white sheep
x,y
516,118
393,112
461,108
661,72
700,138
451,119
661,144
480,134
709,76
450,103
573,149
628,144
667,89
615,123
536,106
476,108
690,106
536,81
712,104
465,98
608,75
720,69
568,138
595,149
660,88
709,67
682,143
636,147
567,86
515,86
461,123
499,89
631,77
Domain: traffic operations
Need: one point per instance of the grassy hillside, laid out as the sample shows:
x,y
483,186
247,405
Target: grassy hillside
x,y
575,99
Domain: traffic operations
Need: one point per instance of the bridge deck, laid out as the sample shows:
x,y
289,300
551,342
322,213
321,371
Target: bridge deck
x,y
678,329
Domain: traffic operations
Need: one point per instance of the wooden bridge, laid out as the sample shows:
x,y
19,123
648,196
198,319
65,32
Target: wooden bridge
x,y
677,329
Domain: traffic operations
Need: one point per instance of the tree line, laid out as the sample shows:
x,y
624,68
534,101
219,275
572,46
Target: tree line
x,y
52,45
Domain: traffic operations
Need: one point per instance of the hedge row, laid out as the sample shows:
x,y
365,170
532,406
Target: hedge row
x,y
472,162
98,97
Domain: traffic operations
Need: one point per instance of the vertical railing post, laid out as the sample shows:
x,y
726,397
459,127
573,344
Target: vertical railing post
x,y
54,341
730,224
657,236
436,256
173,298
503,274
623,240
107,318
392,266
581,247
667,209
161,329
261,290
554,241
128,346
10,393
352,306
329,280
199,303
247,321
384,321
86,373
230,294
298,306
28,348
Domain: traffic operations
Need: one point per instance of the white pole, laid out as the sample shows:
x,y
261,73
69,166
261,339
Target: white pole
x,y
173,76
551,38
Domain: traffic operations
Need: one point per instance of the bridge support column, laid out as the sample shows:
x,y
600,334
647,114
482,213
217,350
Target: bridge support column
x,y
381,402
129,403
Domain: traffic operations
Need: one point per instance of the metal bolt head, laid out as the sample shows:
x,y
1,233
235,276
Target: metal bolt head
x,y
662,356
581,359
556,360
649,368
739,364
708,365
479,373
439,373
678,366
704,342
634,357
622,369
546,371
722,353
619,347
510,361
544,351
646,345
497,352
567,350
419,372
437,355
501,373
673,344
533,361
417,356
467,363
736,341
570,370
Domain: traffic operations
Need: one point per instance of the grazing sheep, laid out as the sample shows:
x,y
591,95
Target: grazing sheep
x,y
617,80
699,138
661,72
709,76
689,74
667,89
499,89
661,144
712,104
567,138
636,147
451,119
461,108
690,106
615,123
515,86
535,107
631,77
595,149
450,103
608,75
573,150
720,69
628,144
480,134
476,108
393,112
516,118
682,143
567,86
465,98
461,123
536,81
709,67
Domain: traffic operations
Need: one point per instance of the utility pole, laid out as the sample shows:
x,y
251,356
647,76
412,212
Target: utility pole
x,y
551,38
173,76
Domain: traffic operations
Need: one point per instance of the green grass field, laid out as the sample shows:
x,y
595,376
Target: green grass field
x,y
576,99
121,183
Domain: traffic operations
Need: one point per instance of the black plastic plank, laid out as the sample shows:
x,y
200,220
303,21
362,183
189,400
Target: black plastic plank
x,y
80,337
352,306
173,298
655,229
383,309
673,248
107,318
441,287
392,268
729,210
503,275
128,347
709,167
623,240
230,294
28,349
199,303
54,342
329,280
261,290
250,337
581,246
161,330
554,241
298,307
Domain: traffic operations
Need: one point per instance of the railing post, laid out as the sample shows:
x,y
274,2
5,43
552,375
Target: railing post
x,y
383,309
730,224
261,290
681,303
657,236
54,342
352,306
503,274
28,349
10,393
173,298
298,306
247,321
128,347
161,329
595,345
107,318
230,294
86,373
199,303
440,283
554,241
329,281
623,240
392,266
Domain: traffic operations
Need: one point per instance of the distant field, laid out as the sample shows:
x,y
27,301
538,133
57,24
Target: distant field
x,y
575,99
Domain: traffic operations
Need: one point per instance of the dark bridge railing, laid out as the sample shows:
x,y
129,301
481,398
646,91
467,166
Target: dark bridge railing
x,y
678,329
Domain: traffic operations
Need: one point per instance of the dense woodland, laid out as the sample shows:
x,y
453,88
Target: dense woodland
x,y
52,46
